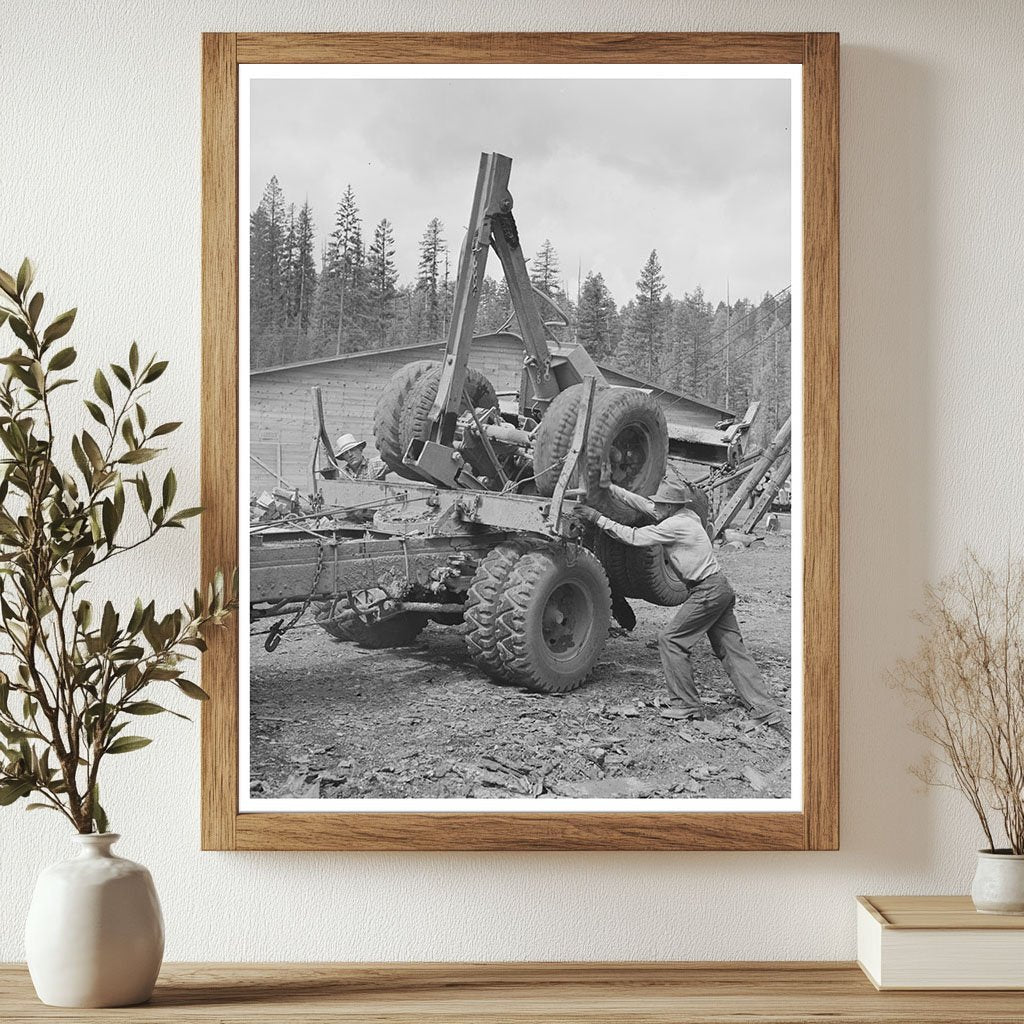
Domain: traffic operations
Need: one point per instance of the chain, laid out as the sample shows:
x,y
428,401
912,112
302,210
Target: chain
x,y
279,628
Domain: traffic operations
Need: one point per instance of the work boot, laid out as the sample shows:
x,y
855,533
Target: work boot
x,y
679,711
770,716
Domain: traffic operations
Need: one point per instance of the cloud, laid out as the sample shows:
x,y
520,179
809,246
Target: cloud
x,y
607,169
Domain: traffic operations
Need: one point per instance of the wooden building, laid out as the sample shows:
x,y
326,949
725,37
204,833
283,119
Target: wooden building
x,y
281,410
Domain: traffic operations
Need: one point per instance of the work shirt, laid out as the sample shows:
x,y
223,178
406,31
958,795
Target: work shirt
x,y
371,469
682,536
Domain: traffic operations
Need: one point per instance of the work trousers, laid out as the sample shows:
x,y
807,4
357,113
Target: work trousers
x,y
709,609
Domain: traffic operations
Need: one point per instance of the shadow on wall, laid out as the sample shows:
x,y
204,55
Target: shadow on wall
x,y
887,303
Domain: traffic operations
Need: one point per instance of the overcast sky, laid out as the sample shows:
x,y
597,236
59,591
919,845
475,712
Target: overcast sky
x,y
608,170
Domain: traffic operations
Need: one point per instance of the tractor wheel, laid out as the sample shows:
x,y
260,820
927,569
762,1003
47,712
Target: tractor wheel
x,y
627,431
387,416
553,620
398,631
643,573
482,604
415,424
614,559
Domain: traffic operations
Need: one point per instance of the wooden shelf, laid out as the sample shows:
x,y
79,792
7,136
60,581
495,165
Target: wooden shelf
x,y
660,993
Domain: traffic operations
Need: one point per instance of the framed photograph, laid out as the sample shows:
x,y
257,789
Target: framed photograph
x,y
520,421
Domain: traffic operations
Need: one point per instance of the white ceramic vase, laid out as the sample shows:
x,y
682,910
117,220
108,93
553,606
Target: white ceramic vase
x,y
95,934
999,883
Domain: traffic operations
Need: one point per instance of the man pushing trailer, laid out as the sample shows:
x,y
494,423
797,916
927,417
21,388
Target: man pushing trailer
x,y
709,608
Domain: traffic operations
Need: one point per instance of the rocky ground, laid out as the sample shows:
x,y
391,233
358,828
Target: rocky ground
x,y
333,720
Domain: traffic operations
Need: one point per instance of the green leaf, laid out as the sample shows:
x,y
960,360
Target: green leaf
x,y
133,358
126,744
95,412
191,690
7,283
35,307
84,614
185,513
108,624
145,497
138,455
170,488
121,374
14,790
128,433
20,329
92,449
41,807
147,707
99,816
166,428
109,519
102,388
60,326
26,274
143,707
80,458
63,359
154,371
16,359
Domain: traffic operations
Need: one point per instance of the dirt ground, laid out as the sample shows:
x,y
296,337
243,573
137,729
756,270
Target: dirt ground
x,y
330,719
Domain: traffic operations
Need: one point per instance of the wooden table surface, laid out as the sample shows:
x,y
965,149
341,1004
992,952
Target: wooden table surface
x,y
664,993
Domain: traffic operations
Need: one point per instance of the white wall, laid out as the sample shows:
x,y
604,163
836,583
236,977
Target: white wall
x,y
99,181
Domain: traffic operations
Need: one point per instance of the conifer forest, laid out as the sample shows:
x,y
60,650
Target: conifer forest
x,y
347,297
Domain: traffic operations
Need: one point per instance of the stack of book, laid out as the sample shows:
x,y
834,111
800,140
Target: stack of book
x,y
938,942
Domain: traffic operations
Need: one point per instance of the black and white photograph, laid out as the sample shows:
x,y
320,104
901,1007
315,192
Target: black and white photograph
x,y
521,437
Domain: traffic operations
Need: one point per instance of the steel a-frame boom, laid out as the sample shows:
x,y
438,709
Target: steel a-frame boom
x,y
491,225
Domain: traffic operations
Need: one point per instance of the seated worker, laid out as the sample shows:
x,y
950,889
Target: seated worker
x,y
709,608
348,450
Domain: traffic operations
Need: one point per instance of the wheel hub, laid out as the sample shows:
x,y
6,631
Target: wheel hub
x,y
563,622
629,453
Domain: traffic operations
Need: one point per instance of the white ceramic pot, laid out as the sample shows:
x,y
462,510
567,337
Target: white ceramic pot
x,y
999,883
95,934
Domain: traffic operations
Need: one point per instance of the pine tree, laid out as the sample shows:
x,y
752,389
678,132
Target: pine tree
x,y
341,301
433,259
640,351
304,269
597,318
267,268
544,269
382,277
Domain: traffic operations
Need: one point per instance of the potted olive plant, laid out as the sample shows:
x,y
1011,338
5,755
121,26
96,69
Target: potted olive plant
x,y
79,671
967,683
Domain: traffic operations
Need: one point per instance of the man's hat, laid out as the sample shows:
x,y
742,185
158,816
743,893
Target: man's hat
x,y
672,494
347,443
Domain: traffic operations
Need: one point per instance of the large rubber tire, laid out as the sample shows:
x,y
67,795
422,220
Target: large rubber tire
x,y
553,620
643,573
614,558
482,606
415,421
398,631
627,431
387,416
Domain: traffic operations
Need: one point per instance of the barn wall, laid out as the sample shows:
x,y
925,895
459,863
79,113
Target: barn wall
x,y
281,407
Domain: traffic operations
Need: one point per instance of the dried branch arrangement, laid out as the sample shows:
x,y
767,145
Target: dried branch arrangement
x,y
967,683
80,669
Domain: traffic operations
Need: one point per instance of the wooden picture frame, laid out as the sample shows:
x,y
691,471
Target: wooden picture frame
x,y
816,826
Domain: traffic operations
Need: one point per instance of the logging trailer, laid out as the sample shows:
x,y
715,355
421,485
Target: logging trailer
x,y
476,526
